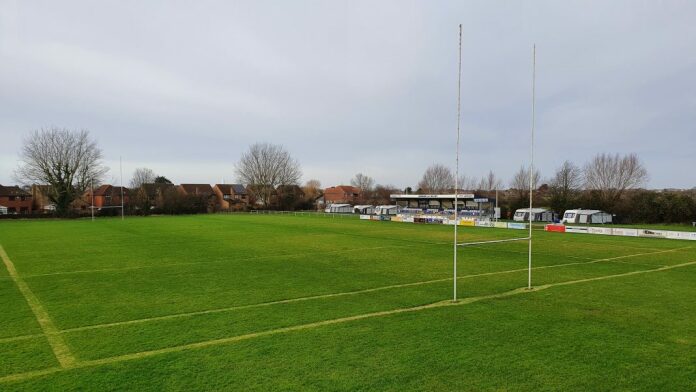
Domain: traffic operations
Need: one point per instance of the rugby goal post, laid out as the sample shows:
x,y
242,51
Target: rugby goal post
x,y
456,178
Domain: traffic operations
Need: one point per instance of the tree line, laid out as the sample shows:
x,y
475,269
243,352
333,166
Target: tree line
x,y
71,162
609,182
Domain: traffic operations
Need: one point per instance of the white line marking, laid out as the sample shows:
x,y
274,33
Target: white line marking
x,y
492,241
21,337
60,348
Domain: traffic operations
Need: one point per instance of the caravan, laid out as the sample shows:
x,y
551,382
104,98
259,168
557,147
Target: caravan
x,y
539,215
387,210
363,209
585,216
339,209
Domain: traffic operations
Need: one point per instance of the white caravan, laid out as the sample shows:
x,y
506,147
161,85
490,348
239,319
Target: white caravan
x,y
339,208
580,216
538,215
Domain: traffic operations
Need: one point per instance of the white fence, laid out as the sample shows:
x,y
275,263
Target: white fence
x,y
624,232
295,213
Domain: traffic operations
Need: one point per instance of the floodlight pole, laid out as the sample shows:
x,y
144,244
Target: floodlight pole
x,y
456,171
531,166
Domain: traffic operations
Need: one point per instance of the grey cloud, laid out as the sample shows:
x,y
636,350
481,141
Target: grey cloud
x,y
353,86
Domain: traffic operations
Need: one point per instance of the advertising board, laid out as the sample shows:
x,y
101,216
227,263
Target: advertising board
x,y
599,230
576,229
555,228
625,232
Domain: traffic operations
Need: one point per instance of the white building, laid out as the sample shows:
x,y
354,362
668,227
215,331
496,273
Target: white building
x,y
586,216
538,215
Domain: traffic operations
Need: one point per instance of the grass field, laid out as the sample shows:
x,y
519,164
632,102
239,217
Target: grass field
x,y
245,302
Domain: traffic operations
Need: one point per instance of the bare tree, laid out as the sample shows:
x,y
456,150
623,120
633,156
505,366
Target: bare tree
x,y
467,183
568,178
565,186
611,175
520,181
312,190
366,185
437,178
66,160
142,175
490,182
264,167
382,194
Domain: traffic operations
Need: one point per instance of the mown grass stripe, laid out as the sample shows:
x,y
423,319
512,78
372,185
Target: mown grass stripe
x,y
140,267
233,339
292,255
370,290
330,295
60,348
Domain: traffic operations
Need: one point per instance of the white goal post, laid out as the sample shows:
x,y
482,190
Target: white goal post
x,y
531,175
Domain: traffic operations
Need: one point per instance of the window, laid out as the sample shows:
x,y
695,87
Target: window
x,y
225,197
569,215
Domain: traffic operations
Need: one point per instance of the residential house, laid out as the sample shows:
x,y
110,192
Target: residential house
x,y
40,198
107,196
152,195
342,194
289,197
257,192
15,200
205,191
231,196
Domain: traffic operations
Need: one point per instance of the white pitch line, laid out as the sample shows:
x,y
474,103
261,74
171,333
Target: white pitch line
x,y
60,348
492,241
21,337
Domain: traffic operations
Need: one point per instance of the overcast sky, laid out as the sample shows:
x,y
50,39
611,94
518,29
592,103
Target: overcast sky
x,y
185,87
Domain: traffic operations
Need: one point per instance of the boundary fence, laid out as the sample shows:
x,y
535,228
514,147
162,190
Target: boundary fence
x,y
332,215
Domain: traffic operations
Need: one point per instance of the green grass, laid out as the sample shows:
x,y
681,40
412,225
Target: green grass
x,y
141,304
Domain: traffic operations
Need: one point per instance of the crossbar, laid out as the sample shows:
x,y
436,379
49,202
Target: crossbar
x,y
492,241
